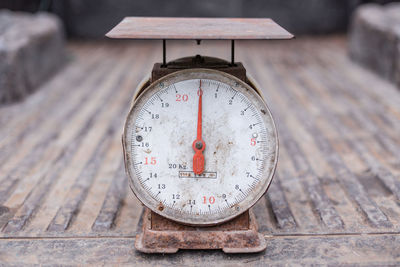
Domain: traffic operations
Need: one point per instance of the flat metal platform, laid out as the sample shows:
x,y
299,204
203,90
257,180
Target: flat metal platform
x,y
198,28
64,197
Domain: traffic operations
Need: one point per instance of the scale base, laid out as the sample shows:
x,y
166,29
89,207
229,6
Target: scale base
x,y
160,235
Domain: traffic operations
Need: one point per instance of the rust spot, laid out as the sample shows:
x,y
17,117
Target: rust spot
x,y
181,140
263,112
160,207
230,143
162,235
218,146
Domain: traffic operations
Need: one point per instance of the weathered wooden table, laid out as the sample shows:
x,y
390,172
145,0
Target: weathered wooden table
x,y
335,198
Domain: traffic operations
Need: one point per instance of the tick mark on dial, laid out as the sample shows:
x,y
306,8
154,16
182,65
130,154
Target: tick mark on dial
x,y
255,178
227,203
234,95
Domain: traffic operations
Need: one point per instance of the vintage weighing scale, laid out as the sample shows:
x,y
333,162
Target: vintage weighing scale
x,y
200,144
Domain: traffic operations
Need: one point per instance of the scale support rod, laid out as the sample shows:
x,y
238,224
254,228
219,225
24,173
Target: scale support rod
x,y
164,64
232,52
164,53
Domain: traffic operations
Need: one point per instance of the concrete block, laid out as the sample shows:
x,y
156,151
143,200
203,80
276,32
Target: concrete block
x,y
31,50
374,39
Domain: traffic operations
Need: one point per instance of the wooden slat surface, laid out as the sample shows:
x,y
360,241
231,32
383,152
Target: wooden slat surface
x,y
198,29
337,186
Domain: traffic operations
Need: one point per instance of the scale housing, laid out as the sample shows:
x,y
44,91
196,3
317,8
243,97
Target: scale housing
x,y
162,235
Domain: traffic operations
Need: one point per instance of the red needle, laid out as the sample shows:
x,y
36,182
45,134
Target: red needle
x,y
198,144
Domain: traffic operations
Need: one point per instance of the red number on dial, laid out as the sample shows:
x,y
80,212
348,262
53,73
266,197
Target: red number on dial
x,y
210,200
180,98
253,142
151,161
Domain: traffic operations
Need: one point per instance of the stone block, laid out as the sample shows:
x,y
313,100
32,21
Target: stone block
x,y
31,50
374,39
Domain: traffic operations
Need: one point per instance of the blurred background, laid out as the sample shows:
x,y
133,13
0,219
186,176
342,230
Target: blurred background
x,y
33,33
92,19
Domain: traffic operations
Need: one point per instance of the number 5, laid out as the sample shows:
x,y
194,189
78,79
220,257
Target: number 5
x,y
253,142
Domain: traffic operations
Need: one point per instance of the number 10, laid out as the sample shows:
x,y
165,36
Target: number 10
x,y
211,200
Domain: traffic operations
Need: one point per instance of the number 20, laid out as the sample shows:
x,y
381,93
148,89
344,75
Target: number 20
x,y
180,98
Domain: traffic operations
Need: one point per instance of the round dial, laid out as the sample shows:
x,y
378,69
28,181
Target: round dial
x,y
200,147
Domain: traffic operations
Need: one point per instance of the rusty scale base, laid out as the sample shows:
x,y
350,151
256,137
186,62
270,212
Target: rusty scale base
x,y
160,235
198,61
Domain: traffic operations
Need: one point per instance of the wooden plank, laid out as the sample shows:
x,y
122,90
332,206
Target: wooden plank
x,y
198,29
360,117
333,119
376,250
79,190
34,148
33,201
101,138
112,202
311,183
280,207
353,187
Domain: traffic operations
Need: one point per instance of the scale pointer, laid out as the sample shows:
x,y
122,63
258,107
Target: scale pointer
x,y
199,145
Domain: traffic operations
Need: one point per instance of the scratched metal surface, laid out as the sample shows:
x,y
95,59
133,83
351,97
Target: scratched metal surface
x,y
198,28
335,198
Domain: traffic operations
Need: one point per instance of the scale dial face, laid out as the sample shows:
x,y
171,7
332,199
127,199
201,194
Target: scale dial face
x,y
240,147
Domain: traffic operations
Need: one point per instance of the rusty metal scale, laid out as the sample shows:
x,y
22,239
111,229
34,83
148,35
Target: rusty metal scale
x,y
200,144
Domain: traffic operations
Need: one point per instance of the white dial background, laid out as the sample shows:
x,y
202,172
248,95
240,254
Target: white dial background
x,y
240,154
